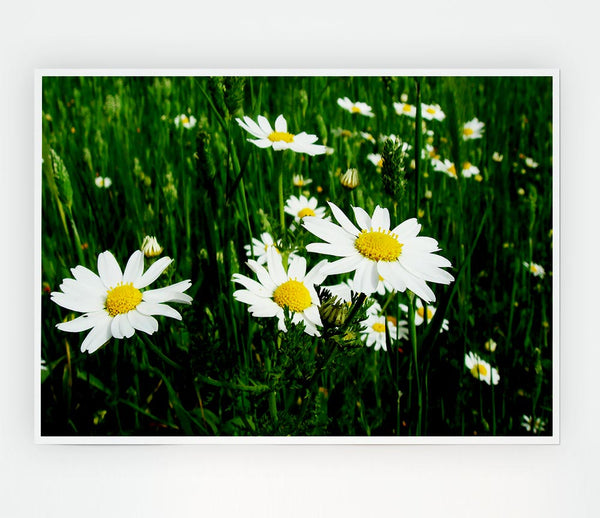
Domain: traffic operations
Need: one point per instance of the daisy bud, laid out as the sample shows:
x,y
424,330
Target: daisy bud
x,y
63,181
350,179
150,247
490,345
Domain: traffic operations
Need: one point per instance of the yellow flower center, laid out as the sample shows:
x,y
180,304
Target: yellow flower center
x,y
406,108
122,299
452,170
278,136
355,109
431,110
468,132
378,245
293,295
306,212
479,370
467,165
378,327
380,163
421,313
184,119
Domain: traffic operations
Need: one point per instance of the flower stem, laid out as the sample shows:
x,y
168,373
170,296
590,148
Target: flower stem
x,y
413,338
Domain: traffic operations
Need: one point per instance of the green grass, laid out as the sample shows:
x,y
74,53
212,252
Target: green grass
x,y
205,192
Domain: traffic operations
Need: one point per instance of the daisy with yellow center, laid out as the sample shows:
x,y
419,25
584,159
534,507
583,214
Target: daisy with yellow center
x,y
535,269
277,291
432,111
356,107
481,369
473,129
468,170
406,109
299,181
279,138
398,255
188,122
113,302
530,162
446,166
376,159
103,182
258,249
300,207
423,312
373,329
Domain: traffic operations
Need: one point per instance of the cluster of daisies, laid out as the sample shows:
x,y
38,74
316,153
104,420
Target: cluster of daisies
x,y
379,256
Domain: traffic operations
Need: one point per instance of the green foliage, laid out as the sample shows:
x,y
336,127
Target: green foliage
x,y
205,192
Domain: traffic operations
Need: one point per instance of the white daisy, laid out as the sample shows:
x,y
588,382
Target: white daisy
x,y
113,303
278,290
299,181
188,122
356,107
405,109
432,111
530,162
397,255
260,246
373,328
490,345
536,269
302,207
376,159
468,170
497,157
533,425
368,136
279,138
473,129
420,314
481,369
446,166
103,181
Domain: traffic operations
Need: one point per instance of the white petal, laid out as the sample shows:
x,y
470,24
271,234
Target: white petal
x,y
392,272
115,326
331,249
275,267
316,275
84,322
247,297
172,293
297,268
264,125
366,277
327,231
78,303
344,265
127,330
150,308
109,270
262,143
263,275
268,308
97,337
144,323
381,218
362,218
134,267
89,278
311,313
407,229
248,283
152,273
281,124
343,220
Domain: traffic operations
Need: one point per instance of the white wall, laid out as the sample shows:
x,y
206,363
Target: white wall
x,y
304,481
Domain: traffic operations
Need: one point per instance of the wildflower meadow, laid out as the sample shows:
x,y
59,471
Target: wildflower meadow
x,y
297,256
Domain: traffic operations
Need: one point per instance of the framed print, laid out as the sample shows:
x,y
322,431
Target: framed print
x,y
276,256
